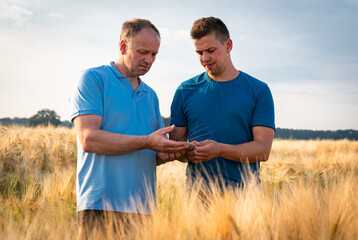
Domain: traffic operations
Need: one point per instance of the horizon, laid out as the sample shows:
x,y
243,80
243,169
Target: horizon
x,y
277,127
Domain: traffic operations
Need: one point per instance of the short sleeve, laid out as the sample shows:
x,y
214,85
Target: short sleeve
x,y
264,114
87,97
160,122
177,116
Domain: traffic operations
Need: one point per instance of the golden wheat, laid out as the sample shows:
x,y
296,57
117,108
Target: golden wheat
x,y
308,191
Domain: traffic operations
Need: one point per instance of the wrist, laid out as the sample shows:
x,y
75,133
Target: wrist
x,y
146,142
220,150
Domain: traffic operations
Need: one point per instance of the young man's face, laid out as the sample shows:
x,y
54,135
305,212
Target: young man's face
x,y
213,55
140,52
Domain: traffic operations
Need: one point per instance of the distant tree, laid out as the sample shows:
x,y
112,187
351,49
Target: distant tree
x,y
66,124
45,117
16,120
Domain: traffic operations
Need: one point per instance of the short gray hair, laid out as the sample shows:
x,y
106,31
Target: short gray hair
x,y
130,28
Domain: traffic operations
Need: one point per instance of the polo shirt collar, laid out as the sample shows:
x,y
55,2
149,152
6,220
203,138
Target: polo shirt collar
x,y
142,86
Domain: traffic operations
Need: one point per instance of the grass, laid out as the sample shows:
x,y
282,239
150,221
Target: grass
x,y
308,191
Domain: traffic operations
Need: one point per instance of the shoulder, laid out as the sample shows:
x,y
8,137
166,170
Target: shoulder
x,y
253,84
94,76
193,82
252,81
95,71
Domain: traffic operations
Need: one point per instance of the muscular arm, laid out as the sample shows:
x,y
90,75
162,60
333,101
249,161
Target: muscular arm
x,y
95,140
255,151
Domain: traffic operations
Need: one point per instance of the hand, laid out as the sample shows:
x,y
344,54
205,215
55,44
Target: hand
x,y
180,156
168,157
163,158
159,143
204,151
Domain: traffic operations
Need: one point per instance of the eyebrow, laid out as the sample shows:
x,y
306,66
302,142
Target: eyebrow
x,y
208,49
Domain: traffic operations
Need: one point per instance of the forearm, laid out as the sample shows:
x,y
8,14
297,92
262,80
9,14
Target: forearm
x,y
255,151
104,142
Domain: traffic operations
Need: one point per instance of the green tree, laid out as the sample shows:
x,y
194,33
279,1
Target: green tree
x,y
45,117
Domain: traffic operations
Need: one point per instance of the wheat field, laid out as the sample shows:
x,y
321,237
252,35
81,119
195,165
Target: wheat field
x,y
308,191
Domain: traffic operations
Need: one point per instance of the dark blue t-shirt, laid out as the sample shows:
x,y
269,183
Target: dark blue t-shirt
x,y
224,112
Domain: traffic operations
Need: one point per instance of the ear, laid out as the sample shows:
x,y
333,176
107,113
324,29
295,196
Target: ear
x,y
123,47
228,45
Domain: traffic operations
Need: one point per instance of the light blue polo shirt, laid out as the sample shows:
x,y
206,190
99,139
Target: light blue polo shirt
x,y
107,182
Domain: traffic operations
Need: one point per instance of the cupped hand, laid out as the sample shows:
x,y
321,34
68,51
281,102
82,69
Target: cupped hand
x,y
158,142
204,151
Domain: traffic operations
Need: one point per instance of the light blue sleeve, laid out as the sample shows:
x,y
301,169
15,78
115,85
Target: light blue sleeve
x,y
87,97
160,122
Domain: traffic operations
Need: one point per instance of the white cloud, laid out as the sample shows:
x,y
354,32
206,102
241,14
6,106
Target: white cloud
x,y
18,15
174,36
55,15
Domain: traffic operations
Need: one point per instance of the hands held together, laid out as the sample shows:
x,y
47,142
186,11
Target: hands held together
x,y
195,152
169,150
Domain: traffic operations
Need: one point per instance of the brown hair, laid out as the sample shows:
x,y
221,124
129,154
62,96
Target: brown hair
x,y
205,26
131,27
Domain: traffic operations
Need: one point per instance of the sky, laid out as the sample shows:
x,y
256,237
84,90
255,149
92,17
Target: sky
x,y
305,50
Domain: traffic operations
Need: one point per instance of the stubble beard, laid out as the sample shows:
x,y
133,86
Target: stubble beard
x,y
214,71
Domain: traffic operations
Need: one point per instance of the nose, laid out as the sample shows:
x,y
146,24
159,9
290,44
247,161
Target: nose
x,y
205,57
149,59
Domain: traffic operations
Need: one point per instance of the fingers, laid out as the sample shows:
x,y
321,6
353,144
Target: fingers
x,y
171,146
190,155
171,156
190,147
166,130
198,155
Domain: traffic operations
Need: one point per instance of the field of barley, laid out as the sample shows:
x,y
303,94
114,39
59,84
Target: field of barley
x,y
308,191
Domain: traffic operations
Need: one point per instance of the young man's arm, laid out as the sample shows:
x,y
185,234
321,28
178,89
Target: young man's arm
x,y
95,140
255,151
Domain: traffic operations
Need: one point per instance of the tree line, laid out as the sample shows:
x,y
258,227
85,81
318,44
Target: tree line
x,y
43,117
47,116
284,133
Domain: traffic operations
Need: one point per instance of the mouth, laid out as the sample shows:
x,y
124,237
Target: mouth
x,y
144,67
209,65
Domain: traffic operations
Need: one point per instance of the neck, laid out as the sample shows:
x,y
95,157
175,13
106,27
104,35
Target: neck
x,y
119,65
228,74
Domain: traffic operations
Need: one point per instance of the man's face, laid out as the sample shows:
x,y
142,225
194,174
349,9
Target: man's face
x,y
140,52
213,55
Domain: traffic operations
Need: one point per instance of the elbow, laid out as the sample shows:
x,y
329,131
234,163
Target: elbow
x,y
86,143
265,157
86,148
266,154
265,151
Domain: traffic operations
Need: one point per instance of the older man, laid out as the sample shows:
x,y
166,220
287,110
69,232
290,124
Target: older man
x,y
120,130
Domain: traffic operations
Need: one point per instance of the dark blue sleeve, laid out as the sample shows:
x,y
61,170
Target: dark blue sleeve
x,y
264,114
177,115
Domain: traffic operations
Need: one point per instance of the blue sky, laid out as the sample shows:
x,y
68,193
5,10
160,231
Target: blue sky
x,y
306,51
